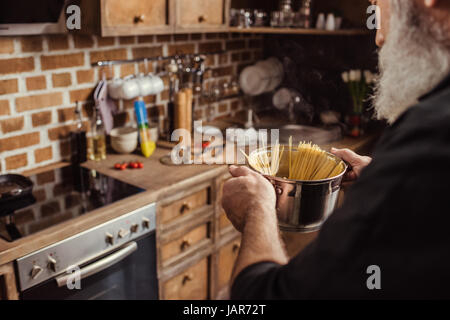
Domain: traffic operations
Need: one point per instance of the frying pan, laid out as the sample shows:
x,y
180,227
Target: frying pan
x,y
14,187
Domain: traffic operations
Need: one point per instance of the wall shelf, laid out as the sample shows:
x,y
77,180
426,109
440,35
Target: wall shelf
x,y
269,30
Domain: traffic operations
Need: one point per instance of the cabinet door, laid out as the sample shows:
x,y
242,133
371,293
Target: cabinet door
x,y
133,17
207,15
192,284
227,258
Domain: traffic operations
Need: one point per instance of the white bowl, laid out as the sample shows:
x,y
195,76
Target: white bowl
x,y
124,140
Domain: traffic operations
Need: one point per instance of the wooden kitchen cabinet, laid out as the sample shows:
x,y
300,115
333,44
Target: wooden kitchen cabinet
x,y
127,18
146,17
191,284
8,288
203,15
226,258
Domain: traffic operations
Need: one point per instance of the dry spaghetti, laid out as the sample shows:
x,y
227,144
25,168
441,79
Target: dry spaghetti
x,y
306,162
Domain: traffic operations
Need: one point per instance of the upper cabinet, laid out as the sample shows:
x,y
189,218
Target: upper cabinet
x,y
140,17
201,15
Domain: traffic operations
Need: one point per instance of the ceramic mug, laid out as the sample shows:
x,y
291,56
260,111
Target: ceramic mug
x,y
115,88
145,85
130,89
158,85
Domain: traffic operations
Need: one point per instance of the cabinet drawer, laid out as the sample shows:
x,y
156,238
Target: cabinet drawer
x,y
185,243
183,207
135,13
200,13
223,221
192,284
227,258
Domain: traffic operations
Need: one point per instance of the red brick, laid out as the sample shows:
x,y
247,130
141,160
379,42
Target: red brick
x,y
85,76
4,108
126,69
38,101
66,114
61,79
40,195
43,154
127,40
62,61
31,44
21,141
181,49
57,42
16,65
45,177
180,37
12,124
196,36
36,83
114,54
235,45
6,44
41,118
147,52
104,42
146,39
163,38
17,161
81,95
60,133
210,47
8,86
83,41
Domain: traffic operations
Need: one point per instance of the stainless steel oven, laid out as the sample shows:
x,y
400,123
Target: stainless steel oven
x,y
116,260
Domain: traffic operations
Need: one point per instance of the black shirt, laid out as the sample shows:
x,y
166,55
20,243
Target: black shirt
x,y
396,217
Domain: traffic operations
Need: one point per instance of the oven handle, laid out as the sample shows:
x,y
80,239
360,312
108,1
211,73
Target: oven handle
x,y
101,264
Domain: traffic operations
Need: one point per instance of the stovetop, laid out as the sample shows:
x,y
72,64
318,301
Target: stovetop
x,y
60,195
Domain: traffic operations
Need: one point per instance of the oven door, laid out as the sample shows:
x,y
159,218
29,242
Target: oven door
x,y
129,273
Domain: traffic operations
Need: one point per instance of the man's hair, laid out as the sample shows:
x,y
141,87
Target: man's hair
x,y
413,60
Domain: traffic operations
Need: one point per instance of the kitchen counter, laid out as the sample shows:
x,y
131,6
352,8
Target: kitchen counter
x,y
159,180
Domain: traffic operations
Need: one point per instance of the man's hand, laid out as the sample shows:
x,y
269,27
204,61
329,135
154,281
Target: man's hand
x,y
246,194
356,162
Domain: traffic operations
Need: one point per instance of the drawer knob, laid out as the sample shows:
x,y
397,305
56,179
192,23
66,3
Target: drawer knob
x,y
236,247
184,208
186,279
139,19
201,19
184,245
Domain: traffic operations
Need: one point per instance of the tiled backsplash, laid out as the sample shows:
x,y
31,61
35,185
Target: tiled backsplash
x,y
41,78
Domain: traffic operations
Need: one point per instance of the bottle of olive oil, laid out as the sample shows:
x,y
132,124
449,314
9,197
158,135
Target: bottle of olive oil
x,y
96,142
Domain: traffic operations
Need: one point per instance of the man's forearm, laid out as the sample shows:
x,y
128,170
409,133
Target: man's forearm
x,y
260,241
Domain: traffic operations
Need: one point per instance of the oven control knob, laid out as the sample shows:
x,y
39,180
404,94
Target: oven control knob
x,y
109,238
146,223
35,271
123,233
52,264
134,228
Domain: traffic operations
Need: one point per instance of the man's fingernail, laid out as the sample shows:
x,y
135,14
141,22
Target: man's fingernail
x,y
333,149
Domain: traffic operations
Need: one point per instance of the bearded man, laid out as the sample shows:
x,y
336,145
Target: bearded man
x,y
391,237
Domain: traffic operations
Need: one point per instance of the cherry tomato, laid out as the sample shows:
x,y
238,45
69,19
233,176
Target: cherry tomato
x,y
117,166
123,166
140,165
205,144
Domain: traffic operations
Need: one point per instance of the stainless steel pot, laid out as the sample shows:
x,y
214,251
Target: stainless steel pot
x,y
303,206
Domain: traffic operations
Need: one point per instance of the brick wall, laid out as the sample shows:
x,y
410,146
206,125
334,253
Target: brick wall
x,y
41,78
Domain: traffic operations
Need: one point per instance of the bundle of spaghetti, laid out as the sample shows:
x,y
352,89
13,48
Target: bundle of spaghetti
x,y
306,162
267,163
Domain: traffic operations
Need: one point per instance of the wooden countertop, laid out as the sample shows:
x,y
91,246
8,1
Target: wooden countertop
x,y
159,181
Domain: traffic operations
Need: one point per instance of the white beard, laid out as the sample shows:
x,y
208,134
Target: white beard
x,y
411,63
